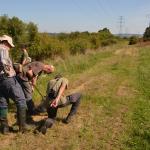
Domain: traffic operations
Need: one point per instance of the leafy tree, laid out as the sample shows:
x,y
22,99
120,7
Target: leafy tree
x,y
4,20
16,28
146,35
104,34
133,40
32,31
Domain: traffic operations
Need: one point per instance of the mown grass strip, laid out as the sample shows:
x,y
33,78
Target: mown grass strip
x,y
139,137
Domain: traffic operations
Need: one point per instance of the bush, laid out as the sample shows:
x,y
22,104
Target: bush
x,y
108,42
94,42
78,47
133,40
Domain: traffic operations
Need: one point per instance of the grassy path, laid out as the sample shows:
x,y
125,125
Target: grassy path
x,y
108,81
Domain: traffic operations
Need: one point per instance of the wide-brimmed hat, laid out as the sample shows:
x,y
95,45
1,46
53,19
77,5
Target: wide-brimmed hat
x,y
8,39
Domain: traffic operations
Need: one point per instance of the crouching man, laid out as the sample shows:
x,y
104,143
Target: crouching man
x,y
56,99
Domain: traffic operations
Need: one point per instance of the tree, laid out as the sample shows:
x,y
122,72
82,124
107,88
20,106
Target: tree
x,y
146,36
104,34
4,20
16,28
32,30
133,40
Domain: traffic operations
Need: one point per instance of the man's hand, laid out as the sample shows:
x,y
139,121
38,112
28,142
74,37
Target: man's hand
x,y
54,103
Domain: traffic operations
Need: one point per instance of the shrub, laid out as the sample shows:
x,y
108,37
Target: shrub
x,y
94,42
133,40
78,47
146,36
108,42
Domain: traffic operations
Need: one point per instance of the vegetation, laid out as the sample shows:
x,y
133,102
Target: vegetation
x,y
44,45
133,40
146,36
114,111
139,133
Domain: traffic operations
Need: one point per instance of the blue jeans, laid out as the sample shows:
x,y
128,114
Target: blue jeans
x,y
10,88
26,87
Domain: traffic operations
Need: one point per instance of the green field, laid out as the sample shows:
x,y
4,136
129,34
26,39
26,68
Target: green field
x,y
115,108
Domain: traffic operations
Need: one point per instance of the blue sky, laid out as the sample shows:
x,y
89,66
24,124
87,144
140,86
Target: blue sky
x,y
80,15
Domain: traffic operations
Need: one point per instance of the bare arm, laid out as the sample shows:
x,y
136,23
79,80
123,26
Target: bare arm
x,y
24,61
56,100
34,79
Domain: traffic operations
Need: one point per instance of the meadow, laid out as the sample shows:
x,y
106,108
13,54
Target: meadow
x,y
115,107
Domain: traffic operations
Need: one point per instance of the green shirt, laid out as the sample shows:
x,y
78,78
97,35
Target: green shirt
x,y
55,84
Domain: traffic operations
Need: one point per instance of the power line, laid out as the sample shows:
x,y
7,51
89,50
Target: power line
x,y
104,10
121,24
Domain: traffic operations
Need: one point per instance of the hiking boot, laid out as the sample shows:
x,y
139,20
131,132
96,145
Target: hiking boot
x,y
3,120
67,119
4,126
43,129
45,124
21,115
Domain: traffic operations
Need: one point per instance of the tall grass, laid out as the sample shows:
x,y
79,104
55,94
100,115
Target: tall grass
x,y
140,128
70,67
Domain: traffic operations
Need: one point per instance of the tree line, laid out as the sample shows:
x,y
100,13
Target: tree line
x,y
45,45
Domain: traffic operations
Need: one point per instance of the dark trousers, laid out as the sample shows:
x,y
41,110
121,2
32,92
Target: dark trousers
x,y
10,88
26,87
73,99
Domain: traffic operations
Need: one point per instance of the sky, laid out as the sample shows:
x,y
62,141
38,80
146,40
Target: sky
x,y
81,15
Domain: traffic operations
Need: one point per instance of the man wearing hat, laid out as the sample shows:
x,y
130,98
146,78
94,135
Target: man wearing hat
x,y
9,87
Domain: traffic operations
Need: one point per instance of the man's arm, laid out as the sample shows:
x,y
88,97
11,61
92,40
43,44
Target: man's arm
x,y
24,61
33,82
61,91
